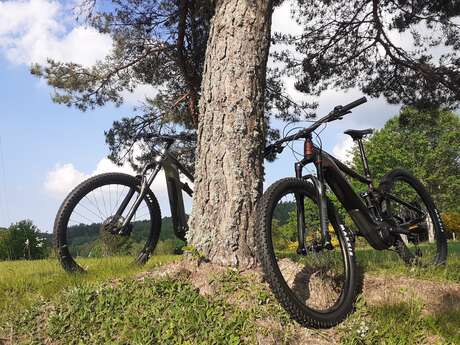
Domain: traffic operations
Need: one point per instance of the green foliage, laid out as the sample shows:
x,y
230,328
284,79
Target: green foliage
x,y
427,143
173,312
401,323
155,311
284,224
451,222
343,44
23,240
346,44
387,324
445,324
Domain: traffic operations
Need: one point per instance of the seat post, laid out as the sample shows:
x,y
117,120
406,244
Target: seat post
x,y
367,172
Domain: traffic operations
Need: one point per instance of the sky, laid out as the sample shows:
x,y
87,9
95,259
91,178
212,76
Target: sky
x,y
46,149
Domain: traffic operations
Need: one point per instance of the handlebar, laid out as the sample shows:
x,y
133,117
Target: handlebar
x,y
354,104
335,114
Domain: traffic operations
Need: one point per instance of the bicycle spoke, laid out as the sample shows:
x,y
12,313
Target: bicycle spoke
x,y
90,221
96,205
93,230
101,192
82,205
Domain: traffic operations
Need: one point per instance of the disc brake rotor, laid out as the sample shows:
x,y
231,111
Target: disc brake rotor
x,y
112,225
113,239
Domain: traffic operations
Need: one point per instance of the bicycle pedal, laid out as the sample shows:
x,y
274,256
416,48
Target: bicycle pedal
x,y
302,251
316,247
328,246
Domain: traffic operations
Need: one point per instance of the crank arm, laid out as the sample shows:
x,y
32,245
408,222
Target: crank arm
x,y
404,232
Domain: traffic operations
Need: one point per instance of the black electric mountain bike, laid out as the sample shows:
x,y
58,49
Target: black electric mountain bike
x,y
307,252
116,214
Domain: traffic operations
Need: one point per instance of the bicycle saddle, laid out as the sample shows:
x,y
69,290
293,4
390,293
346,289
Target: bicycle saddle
x,y
358,134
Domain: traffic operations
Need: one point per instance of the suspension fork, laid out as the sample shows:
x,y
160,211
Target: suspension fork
x,y
300,214
322,200
318,182
144,188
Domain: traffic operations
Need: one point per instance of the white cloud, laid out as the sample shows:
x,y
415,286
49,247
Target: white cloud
x,y
139,94
282,20
342,150
33,30
63,178
105,165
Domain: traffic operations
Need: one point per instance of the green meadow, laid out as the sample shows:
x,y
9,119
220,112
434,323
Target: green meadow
x,y
40,303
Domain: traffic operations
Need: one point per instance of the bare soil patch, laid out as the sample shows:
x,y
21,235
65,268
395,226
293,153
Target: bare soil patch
x,y
435,296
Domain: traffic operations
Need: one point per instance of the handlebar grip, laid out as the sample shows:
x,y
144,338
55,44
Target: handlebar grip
x,y
353,104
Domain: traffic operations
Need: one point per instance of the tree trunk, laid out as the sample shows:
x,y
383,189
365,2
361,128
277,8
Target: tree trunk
x,y
231,133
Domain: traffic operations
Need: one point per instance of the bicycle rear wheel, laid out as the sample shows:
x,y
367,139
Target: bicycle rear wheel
x,y
86,226
409,205
317,289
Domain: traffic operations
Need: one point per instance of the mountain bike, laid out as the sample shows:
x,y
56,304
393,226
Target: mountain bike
x,y
306,250
116,214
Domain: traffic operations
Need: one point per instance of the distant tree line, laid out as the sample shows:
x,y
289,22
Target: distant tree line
x,y
23,240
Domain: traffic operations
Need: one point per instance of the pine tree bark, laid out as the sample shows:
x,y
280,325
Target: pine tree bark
x,y
231,133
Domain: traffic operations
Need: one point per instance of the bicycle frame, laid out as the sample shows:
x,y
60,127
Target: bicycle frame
x,y
175,186
172,169
373,221
331,171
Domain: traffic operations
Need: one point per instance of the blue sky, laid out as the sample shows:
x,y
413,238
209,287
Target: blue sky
x,y
47,148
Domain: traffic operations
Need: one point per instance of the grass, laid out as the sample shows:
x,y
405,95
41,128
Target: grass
x,y
22,283
399,323
405,322
389,263
152,311
160,311
42,304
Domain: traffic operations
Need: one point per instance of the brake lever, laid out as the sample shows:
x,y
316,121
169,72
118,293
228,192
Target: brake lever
x,y
337,108
339,117
270,149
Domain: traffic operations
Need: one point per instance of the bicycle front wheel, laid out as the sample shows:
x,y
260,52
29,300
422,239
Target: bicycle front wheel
x,y
87,224
318,288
